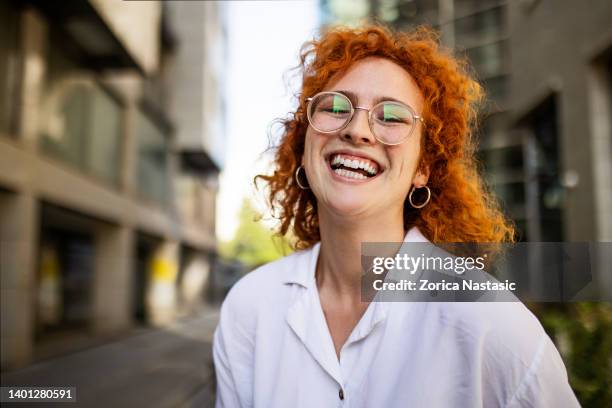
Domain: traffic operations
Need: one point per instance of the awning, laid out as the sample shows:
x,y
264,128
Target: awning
x,y
198,162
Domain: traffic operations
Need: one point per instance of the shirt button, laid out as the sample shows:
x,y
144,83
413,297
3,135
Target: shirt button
x,y
341,394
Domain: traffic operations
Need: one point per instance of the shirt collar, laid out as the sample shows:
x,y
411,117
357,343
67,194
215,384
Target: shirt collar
x,y
306,263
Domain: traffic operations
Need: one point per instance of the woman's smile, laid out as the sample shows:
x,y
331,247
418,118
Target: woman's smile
x,y
352,167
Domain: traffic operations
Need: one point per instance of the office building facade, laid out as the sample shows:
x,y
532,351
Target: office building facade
x,y
108,168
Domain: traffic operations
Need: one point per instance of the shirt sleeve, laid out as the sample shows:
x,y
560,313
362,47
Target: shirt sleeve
x,y
233,357
545,382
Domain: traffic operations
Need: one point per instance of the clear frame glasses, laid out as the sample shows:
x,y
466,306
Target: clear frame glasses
x,y
391,122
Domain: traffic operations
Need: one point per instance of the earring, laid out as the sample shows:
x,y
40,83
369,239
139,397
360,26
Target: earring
x,y
424,203
297,178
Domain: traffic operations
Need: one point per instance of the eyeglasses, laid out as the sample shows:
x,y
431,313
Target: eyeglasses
x,y
391,122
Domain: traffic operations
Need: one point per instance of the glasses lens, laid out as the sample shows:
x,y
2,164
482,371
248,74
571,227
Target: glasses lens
x,y
392,122
329,112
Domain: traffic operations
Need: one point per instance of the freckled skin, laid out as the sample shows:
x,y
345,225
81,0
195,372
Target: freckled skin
x,y
368,79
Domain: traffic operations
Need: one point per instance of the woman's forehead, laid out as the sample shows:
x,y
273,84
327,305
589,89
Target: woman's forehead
x,y
374,78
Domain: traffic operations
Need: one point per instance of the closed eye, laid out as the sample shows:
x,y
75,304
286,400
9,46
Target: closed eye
x,y
334,111
392,120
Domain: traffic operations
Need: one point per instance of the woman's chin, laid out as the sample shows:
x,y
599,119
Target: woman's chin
x,y
348,206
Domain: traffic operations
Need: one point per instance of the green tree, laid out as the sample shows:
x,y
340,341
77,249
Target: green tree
x,y
583,332
253,244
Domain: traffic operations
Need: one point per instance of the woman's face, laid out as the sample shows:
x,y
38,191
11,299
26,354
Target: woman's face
x,y
344,194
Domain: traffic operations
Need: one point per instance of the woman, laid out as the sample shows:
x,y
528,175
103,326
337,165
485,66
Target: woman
x,y
379,150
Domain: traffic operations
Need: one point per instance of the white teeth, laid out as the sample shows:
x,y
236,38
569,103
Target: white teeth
x,y
354,164
350,174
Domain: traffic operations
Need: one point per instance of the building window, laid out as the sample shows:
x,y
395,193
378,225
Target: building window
x,y
496,88
510,193
490,59
481,27
81,123
466,7
152,160
10,68
408,12
504,171
545,194
504,160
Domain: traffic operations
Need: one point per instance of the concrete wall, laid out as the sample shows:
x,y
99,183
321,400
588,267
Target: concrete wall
x,y
197,75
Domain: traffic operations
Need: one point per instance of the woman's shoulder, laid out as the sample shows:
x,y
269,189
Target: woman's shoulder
x,y
498,326
270,283
515,342
520,364
509,339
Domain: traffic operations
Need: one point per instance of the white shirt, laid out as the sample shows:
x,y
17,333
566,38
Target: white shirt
x,y
272,348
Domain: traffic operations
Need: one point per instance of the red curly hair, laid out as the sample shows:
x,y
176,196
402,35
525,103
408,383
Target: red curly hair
x,y
461,209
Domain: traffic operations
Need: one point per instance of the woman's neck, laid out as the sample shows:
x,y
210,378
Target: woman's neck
x,y
339,266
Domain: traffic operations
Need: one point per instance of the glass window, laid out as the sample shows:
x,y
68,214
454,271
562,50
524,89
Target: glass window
x,y
408,13
510,193
505,159
545,169
10,61
104,127
489,60
81,121
482,27
504,168
496,87
465,7
152,160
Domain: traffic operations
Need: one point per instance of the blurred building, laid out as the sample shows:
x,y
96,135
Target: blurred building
x,y
545,135
545,141
111,140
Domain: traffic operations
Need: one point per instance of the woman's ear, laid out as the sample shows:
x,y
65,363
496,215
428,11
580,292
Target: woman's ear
x,y
421,177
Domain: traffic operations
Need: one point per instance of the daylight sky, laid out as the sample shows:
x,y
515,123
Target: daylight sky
x,y
264,38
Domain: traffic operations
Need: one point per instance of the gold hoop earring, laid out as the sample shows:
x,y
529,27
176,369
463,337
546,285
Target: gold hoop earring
x,y
419,205
297,178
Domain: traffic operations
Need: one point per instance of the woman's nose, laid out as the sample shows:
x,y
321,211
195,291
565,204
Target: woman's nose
x,y
358,130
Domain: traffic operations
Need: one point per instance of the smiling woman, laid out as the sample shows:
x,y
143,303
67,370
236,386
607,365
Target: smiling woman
x,y
460,209
382,118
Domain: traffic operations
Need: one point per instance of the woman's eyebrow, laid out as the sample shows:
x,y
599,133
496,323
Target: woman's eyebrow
x,y
354,99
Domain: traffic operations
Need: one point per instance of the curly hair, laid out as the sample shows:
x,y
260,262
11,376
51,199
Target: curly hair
x,y
461,208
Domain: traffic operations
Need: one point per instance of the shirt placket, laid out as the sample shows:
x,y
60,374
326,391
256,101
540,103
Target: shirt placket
x,y
306,319
374,316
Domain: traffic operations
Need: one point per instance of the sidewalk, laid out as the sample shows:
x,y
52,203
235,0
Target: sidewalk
x,y
169,367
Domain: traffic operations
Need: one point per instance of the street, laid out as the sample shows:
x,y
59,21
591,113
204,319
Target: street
x,y
170,367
